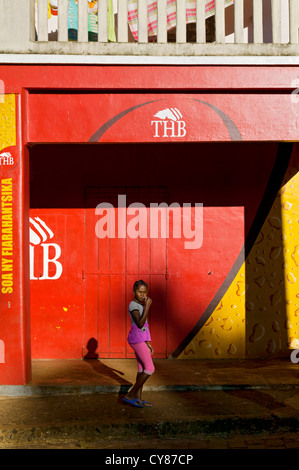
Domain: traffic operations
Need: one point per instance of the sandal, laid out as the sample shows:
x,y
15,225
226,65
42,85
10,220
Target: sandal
x,y
134,402
146,403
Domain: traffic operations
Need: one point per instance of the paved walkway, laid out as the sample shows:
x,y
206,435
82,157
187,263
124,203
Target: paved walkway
x,y
197,404
115,375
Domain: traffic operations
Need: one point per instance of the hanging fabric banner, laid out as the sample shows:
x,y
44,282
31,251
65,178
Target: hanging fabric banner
x,y
73,20
171,14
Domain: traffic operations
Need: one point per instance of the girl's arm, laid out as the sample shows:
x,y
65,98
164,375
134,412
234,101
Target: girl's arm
x,y
150,347
140,320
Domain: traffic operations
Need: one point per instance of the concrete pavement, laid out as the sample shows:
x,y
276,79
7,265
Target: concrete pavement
x,y
78,404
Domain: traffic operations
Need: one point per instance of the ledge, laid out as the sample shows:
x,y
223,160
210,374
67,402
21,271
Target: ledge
x,y
74,59
174,53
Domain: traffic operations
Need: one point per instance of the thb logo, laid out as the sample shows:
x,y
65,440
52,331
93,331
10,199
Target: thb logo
x,y
40,233
6,158
295,356
170,123
9,156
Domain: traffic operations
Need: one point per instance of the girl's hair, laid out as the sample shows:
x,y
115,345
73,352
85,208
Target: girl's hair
x,y
139,283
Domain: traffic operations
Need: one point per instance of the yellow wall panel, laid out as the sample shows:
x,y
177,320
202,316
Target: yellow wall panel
x,y
7,121
259,313
224,332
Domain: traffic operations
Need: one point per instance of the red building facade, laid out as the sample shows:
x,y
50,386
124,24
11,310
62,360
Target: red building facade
x,y
185,176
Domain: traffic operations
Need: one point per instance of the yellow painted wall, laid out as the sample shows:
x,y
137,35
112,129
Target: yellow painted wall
x,y
259,314
7,121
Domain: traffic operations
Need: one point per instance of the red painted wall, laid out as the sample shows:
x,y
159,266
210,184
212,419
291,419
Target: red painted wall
x,y
240,103
270,79
130,117
15,366
68,311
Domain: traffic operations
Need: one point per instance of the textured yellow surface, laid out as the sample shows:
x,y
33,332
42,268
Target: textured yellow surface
x,y
223,333
259,313
265,304
290,235
272,270
7,121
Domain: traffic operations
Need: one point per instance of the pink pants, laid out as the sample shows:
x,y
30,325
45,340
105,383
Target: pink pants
x,y
144,358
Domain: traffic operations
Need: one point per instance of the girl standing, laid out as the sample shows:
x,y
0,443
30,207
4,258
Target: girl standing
x,y
139,339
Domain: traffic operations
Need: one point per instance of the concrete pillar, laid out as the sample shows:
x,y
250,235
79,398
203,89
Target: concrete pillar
x,y
16,24
181,21
142,21
15,360
219,21
122,21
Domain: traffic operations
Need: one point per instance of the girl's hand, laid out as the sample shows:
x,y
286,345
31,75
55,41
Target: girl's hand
x,y
147,301
150,347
